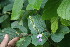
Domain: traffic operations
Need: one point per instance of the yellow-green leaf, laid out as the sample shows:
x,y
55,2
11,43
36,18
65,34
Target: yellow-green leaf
x,y
54,24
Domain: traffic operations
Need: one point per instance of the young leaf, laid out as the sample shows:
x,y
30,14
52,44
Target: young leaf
x,y
34,4
54,24
18,4
36,24
64,10
24,42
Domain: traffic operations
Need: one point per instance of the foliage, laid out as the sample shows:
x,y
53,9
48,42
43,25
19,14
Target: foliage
x,y
29,18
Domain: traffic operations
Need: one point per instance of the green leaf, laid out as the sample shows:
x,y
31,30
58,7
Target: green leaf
x,y
50,9
34,4
2,18
36,42
18,4
24,42
16,25
65,22
57,37
64,29
64,10
54,24
36,24
12,33
7,8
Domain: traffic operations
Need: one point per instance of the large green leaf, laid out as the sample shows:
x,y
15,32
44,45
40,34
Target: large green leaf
x,y
24,42
18,4
36,24
54,24
2,18
50,9
34,4
12,33
57,37
64,10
